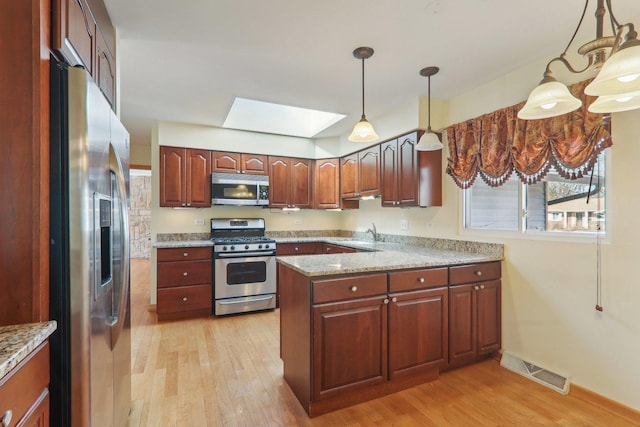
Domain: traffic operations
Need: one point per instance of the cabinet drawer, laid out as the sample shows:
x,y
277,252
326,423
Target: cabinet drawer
x,y
349,288
184,273
184,298
184,254
418,279
21,388
474,273
308,248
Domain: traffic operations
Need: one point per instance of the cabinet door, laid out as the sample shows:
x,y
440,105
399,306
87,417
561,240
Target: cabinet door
x,y
349,176
328,248
306,248
389,175
225,162
279,181
105,69
418,332
408,172
462,324
198,178
172,177
75,32
489,316
38,414
349,346
369,171
301,183
327,184
254,164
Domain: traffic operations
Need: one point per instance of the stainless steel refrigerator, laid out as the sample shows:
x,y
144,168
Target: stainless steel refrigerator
x,y
89,261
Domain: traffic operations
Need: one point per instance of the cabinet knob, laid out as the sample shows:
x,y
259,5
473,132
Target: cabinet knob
x,y
6,418
185,254
478,273
185,274
354,288
386,301
476,287
421,279
297,249
188,204
394,299
481,286
184,298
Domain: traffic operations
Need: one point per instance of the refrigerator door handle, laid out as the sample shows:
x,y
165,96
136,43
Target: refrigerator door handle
x,y
120,305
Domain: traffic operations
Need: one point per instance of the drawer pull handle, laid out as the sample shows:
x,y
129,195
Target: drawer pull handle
x,y
185,254
184,298
354,288
478,273
6,418
386,301
421,279
185,274
297,249
394,299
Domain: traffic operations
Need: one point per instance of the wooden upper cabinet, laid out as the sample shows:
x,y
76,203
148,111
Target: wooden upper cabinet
x,y
105,68
400,171
74,33
185,177
227,162
360,173
327,184
389,173
290,182
198,178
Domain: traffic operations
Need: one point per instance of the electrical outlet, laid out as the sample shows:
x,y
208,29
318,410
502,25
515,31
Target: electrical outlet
x,y
429,225
404,224
297,222
199,221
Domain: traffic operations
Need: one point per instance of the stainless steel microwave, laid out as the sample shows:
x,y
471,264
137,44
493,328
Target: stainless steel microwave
x,y
239,190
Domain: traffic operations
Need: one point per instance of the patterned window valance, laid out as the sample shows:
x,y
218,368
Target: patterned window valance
x,y
497,144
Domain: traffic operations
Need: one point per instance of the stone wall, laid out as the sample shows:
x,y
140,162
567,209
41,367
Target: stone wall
x,y
140,217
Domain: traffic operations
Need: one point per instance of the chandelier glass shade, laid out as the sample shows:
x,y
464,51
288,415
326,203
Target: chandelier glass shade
x,y
429,141
616,83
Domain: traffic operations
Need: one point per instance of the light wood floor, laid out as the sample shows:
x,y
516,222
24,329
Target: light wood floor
x,y
227,372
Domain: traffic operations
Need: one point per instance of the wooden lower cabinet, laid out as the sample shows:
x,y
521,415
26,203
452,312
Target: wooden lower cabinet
x,y
25,391
349,346
184,282
304,248
475,321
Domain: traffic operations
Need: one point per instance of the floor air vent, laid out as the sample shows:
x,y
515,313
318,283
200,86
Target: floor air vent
x,y
536,373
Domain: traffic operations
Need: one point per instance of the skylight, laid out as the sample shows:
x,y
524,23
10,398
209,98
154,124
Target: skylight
x,y
259,116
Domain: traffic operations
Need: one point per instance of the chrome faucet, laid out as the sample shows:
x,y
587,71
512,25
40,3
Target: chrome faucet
x,y
373,232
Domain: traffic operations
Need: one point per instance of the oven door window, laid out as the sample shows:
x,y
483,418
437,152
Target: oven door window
x,y
240,273
235,191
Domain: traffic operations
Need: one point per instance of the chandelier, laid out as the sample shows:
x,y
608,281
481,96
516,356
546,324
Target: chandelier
x,y
617,84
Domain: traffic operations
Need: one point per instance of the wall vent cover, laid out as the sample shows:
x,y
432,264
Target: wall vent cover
x,y
540,375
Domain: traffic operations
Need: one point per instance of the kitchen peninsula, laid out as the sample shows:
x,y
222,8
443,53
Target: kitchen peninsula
x,y
356,326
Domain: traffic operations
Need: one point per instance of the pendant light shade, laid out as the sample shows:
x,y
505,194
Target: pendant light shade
x,y
363,130
620,74
429,141
616,103
549,99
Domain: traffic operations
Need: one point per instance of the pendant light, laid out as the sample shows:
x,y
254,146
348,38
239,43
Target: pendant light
x,y
363,131
429,141
617,83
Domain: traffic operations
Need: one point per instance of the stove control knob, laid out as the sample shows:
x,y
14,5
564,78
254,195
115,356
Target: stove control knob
x,y
246,246
224,248
266,246
259,246
233,247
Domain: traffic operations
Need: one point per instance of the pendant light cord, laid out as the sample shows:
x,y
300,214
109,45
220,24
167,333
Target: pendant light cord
x,y
363,116
428,103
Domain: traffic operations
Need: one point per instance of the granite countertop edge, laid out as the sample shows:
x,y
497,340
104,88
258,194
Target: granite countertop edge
x,y
183,244
18,341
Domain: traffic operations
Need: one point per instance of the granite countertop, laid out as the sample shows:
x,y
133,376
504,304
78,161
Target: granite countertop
x,y
183,244
380,256
17,341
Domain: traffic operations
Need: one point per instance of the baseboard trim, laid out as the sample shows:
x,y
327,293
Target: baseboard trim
x,y
605,403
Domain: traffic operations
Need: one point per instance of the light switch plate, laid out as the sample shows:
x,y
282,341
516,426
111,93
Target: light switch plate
x,y
404,224
297,222
199,221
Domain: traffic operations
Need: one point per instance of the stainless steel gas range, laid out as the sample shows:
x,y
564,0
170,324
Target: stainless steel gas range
x,y
244,266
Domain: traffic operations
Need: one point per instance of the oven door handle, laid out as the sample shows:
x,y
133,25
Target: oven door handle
x,y
253,299
245,254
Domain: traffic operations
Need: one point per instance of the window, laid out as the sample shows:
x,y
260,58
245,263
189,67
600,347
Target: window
x,y
553,205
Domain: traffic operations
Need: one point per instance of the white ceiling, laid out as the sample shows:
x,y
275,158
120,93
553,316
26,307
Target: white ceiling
x,y
187,60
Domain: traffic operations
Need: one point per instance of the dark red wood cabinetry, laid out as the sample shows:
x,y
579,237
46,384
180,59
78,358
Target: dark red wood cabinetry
x,y
474,312
185,177
410,177
228,162
290,182
327,184
360,173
